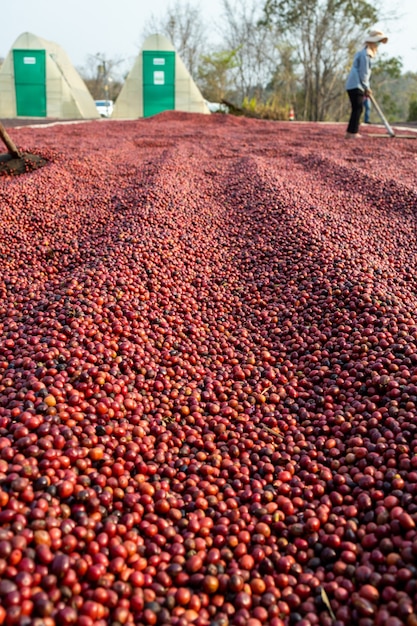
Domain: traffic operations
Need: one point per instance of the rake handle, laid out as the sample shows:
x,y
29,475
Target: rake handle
x,y
381,115
9,143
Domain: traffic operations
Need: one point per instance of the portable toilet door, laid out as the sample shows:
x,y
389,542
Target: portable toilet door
x,y
158,81
30,82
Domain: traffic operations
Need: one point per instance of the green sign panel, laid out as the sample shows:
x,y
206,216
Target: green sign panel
x,y
158,82
30,82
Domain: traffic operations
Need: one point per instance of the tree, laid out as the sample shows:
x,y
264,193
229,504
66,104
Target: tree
x,y
214,75
284,79
183,25
323,35
257,54
101,76
385,76
412,110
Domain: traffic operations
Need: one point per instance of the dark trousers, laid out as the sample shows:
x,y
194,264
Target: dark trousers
x,y
356,102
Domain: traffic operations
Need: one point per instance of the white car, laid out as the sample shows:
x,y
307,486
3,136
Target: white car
x,y
217,107
104,107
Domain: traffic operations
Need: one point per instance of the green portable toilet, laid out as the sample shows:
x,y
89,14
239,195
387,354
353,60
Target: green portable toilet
x,y
158,81
37,79
30,82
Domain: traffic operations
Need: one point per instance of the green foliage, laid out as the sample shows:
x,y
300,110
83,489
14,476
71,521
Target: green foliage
x,y
290,13
213,74
390,105
412,109
387,68
272,109
323,35
390,88
278,53
249,105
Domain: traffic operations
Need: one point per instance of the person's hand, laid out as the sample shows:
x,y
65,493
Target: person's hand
x,y
368,92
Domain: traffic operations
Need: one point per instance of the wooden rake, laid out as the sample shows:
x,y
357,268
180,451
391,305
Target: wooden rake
x,y
9,143
16,162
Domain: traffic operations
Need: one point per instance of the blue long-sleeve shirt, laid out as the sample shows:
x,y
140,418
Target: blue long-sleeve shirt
x,y
360,74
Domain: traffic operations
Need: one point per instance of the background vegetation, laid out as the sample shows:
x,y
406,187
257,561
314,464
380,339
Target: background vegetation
x,y
268,57
275,55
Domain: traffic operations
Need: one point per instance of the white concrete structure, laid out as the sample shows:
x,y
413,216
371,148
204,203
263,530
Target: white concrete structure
x,y
37,79
158,81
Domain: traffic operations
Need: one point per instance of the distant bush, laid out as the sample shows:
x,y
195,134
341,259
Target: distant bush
x,y
412,110
272,109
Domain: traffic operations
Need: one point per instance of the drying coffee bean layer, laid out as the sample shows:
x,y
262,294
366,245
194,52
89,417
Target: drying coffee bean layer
x,y
208,376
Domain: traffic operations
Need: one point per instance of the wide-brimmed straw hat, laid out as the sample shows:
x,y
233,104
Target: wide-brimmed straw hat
x,y
376,36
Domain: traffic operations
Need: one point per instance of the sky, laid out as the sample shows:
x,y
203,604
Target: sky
x,y
115,28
